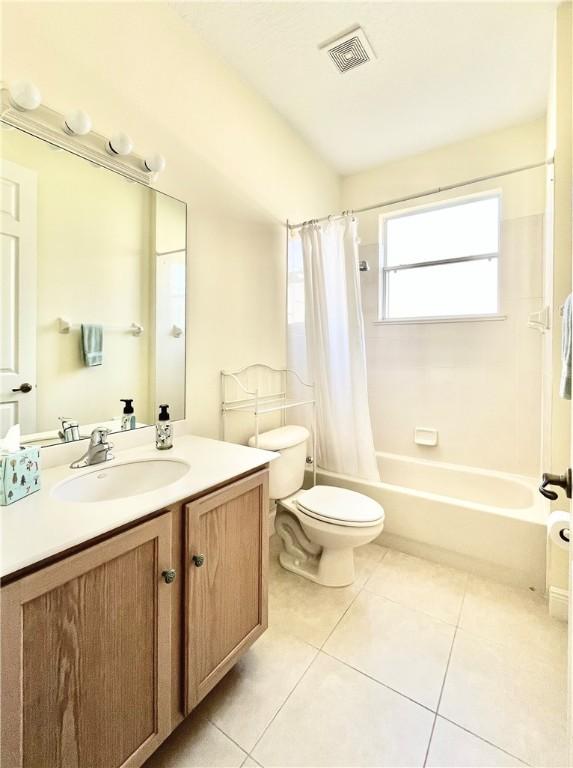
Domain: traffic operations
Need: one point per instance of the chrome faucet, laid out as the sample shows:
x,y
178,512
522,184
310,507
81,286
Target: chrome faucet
x,y
70,430
99,449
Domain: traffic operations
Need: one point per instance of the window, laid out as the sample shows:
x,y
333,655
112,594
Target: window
x,y
441,261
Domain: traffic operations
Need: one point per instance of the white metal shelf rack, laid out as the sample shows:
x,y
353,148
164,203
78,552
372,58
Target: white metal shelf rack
x,y
260,389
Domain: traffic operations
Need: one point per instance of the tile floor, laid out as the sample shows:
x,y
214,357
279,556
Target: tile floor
x,y
413,665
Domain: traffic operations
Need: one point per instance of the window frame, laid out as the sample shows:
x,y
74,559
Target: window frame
x,y
384,270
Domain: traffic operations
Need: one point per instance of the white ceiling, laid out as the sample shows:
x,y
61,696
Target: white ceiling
x,y
445,71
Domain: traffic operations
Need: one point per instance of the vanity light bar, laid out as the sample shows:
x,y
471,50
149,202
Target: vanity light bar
x,y
22,108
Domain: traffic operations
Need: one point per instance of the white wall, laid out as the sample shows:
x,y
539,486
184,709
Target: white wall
x,y
239,165
477,383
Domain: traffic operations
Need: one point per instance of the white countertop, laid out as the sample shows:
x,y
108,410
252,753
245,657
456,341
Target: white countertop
x,y
40,526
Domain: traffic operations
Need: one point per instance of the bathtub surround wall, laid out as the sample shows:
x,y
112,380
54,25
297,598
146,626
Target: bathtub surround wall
x,y
239,165
477,383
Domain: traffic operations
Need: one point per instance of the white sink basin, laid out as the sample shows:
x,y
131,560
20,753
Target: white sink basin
x,y
120,481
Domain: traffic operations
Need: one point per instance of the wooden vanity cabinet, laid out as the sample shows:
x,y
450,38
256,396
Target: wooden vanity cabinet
x,y
226,562
86,655
103,654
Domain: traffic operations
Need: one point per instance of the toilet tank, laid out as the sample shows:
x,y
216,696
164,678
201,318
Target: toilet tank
x,y
286,474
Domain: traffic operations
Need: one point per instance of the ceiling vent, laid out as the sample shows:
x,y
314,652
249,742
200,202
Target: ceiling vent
x,y
349,50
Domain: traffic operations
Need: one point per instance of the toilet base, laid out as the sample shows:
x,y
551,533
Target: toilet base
x,y
332,568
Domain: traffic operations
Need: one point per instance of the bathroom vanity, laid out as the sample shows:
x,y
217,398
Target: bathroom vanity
x,y
120,615
129,588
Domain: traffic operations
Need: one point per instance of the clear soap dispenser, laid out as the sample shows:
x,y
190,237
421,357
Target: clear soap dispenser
x,y
163,429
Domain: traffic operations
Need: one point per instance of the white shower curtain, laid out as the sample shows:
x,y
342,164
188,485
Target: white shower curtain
x,y
336,348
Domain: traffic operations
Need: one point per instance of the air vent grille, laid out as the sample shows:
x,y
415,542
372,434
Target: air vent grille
x,y
349,54
349,50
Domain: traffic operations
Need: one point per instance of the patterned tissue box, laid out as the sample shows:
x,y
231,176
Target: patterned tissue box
x,y
19,474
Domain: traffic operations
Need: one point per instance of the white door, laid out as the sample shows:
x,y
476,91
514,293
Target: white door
x,y
18,213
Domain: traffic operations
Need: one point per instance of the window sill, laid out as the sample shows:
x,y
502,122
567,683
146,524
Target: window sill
x,y
448,319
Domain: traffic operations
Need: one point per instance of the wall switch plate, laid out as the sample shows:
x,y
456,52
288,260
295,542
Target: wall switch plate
x,y
425,436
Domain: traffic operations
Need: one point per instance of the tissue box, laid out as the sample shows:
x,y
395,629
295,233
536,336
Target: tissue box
x,y
19,474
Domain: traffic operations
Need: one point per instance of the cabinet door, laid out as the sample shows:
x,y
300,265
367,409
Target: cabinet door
x,y
86,656
226,564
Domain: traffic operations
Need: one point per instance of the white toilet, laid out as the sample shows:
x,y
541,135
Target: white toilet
x,y
320,527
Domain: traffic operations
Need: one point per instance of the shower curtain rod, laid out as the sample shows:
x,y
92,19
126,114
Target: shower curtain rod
x,y
429,192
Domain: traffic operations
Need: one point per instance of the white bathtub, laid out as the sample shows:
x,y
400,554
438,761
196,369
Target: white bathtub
x,y
487,522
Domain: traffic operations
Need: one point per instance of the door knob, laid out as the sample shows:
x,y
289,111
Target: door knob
x,y
561,481
198,560
169,575
25,388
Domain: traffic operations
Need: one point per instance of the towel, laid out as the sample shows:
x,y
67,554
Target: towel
x,y
92,344
566,350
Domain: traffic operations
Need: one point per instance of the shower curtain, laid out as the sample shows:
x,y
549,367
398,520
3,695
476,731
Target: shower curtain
x,y
335,347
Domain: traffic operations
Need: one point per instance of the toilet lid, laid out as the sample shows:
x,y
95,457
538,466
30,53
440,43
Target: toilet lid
x,y
339,505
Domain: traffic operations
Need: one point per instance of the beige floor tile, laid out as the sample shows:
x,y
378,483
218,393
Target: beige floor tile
x,y
402,648
338,717
510,615
249,696
509,698
197,743
307,610
250,763
428,587
452,747
366,559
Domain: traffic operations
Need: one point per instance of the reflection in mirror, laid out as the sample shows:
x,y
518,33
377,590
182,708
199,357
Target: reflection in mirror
x,y
93,272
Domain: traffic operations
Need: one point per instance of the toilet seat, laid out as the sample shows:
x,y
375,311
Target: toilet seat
x,y
339,506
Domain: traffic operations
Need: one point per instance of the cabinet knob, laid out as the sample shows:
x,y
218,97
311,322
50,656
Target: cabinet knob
x,y
169,575
198,560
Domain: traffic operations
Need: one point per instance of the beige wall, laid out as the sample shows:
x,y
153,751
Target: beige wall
x,y
93,267
238,164
477,383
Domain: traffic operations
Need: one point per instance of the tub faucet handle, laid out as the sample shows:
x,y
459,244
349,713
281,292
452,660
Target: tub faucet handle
x,y
561,481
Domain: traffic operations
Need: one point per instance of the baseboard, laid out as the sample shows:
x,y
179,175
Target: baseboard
x,y
559,603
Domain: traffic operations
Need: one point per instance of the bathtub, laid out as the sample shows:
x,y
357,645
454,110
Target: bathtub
x,y
490,523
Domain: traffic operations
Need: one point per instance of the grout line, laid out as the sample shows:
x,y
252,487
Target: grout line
x,y
409,607
274,717
430,740
481,738
458,627
462,601
236,743
349,606
249,756
379,682
441,694
317,654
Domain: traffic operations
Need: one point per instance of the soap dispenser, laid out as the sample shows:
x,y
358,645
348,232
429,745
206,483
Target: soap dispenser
x,y
128,416
163,429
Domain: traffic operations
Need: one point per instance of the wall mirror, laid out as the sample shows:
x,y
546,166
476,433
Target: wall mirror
x,y
84,246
